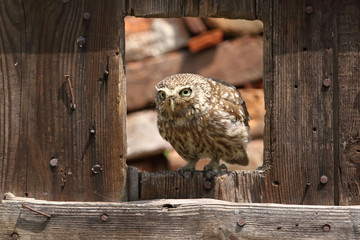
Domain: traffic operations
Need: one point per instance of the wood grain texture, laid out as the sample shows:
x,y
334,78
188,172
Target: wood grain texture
x,y
234,186
300,138
177,219
38,48
347,118
193,8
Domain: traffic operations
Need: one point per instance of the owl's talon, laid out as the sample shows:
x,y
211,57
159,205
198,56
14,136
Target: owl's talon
x,y
223,166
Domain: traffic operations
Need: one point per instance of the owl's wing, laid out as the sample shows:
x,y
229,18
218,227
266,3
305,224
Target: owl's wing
x,y
244,114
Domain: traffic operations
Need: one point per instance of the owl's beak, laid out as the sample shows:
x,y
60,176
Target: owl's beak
x,y
172,104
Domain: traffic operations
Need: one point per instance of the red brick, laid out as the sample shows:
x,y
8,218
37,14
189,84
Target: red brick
x,y
205,40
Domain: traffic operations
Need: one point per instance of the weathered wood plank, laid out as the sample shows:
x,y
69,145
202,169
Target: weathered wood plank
x,y
177,219
301,141
194,8
41,42
234,186
347,102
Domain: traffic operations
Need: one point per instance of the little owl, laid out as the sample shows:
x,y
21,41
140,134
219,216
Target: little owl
x,y
203,118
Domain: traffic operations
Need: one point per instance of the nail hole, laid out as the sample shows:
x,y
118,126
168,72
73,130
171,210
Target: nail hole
x,y
295,86
278,228
167,205
276,183
304,49
117,53
314,129
176,189
26,194
296,225
358,150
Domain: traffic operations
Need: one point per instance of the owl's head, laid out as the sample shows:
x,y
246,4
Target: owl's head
x,y
181,95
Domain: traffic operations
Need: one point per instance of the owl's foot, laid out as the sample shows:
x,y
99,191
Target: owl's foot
x,y
190,166
214,166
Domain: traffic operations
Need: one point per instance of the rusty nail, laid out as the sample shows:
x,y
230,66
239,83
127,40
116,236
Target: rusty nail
x,y
326,228
14,235
207,185
323,179
96,169
87,16
72,104
37,211
53,162
104,217
241,222
309,10
80,41
326,82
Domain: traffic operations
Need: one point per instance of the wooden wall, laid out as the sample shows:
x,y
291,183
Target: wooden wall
x,y
312,94
40,44
312,88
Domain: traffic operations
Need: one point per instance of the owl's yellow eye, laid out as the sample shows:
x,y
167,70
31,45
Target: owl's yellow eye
x,y
185,92
162,95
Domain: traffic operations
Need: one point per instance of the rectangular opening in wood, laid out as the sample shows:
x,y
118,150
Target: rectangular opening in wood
x,y
230,50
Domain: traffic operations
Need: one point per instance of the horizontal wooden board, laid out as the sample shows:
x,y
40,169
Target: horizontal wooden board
x,y
176,219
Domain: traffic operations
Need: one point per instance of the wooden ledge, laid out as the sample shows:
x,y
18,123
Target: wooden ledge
x,y
176,219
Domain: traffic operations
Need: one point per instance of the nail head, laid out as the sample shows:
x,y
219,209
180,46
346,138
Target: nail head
x,y
326,82
87,16
53,162
323,179
326,228
207,185
309,10
241,222
92,131
14,235
80,41
104,217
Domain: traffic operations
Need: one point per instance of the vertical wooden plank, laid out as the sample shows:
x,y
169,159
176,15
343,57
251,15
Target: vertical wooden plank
x,y
347,87
301,123
11,47
55,40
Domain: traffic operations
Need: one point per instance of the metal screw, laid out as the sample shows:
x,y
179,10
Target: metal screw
x,y
241,222
14,235
80,41
207,185
87,16
104,217
326,82
96,169
323,179
309,10
326,228
53,162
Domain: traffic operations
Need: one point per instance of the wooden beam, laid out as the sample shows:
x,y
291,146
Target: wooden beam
x,y
176,219
234,186
245,9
